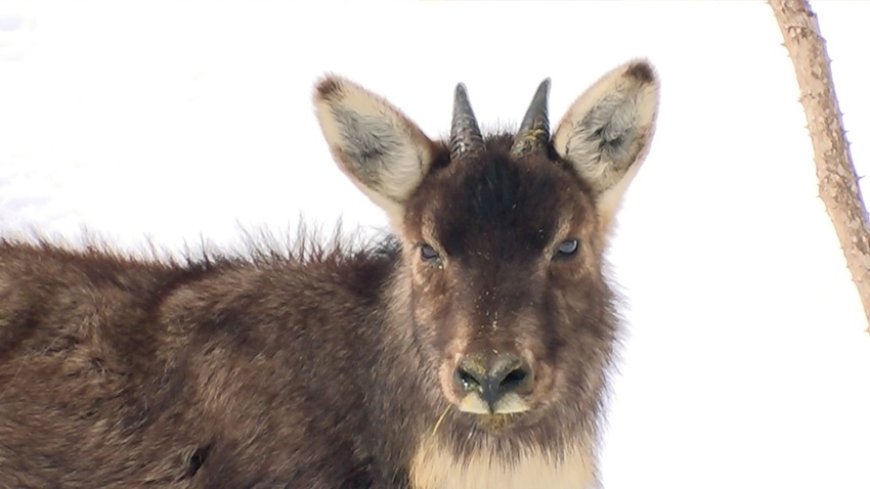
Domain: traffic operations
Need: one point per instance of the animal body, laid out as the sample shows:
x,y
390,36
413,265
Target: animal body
x,y
470,349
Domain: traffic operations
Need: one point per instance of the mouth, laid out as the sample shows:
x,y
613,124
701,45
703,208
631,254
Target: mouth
x,y
497,416
510,404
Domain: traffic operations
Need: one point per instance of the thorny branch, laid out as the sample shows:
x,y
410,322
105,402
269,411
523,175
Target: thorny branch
x,y
838,182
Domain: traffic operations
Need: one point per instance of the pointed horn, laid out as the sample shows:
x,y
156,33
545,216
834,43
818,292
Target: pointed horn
x,y
534,133
464,134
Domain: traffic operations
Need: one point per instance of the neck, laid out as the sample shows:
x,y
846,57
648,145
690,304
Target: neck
x,y
436,466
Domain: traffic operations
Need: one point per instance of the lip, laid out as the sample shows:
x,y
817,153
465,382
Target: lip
x,y
473,403
504,415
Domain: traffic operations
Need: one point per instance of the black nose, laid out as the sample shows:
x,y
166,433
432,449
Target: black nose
x,y
493,376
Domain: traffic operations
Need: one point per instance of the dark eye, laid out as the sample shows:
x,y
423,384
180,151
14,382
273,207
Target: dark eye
x,y
428,253
567,248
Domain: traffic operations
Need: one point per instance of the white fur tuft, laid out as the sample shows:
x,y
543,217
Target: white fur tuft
x,y
435,467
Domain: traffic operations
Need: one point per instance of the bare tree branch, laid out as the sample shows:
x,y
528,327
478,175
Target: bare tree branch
x,y
838,182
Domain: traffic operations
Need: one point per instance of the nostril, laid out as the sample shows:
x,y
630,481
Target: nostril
x,y
513,380
510,374
493,376
468,379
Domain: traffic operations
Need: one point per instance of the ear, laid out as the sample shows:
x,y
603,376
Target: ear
x,y
379,148
606,133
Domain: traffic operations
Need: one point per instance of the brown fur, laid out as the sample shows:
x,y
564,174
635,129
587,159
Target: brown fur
x,y
328,367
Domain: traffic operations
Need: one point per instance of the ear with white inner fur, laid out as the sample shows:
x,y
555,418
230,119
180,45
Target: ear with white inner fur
x,y
606,133
379,148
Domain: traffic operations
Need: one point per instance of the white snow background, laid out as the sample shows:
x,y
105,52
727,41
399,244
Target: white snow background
x,y
747,363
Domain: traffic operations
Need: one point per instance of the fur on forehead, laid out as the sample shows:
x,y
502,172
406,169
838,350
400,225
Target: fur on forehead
x,y
534,199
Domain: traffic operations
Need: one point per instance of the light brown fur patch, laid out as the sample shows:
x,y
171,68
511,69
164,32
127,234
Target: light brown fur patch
x,y
435,467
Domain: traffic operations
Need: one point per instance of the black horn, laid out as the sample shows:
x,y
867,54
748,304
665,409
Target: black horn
x,y
534,133
465,136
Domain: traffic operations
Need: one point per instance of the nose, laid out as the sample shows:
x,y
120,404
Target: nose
x,y
494,376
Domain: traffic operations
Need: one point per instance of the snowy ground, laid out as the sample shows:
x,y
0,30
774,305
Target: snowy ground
x,y
747,365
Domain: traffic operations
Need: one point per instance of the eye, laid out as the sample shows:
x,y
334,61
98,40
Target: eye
x,y
428,253
567,248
